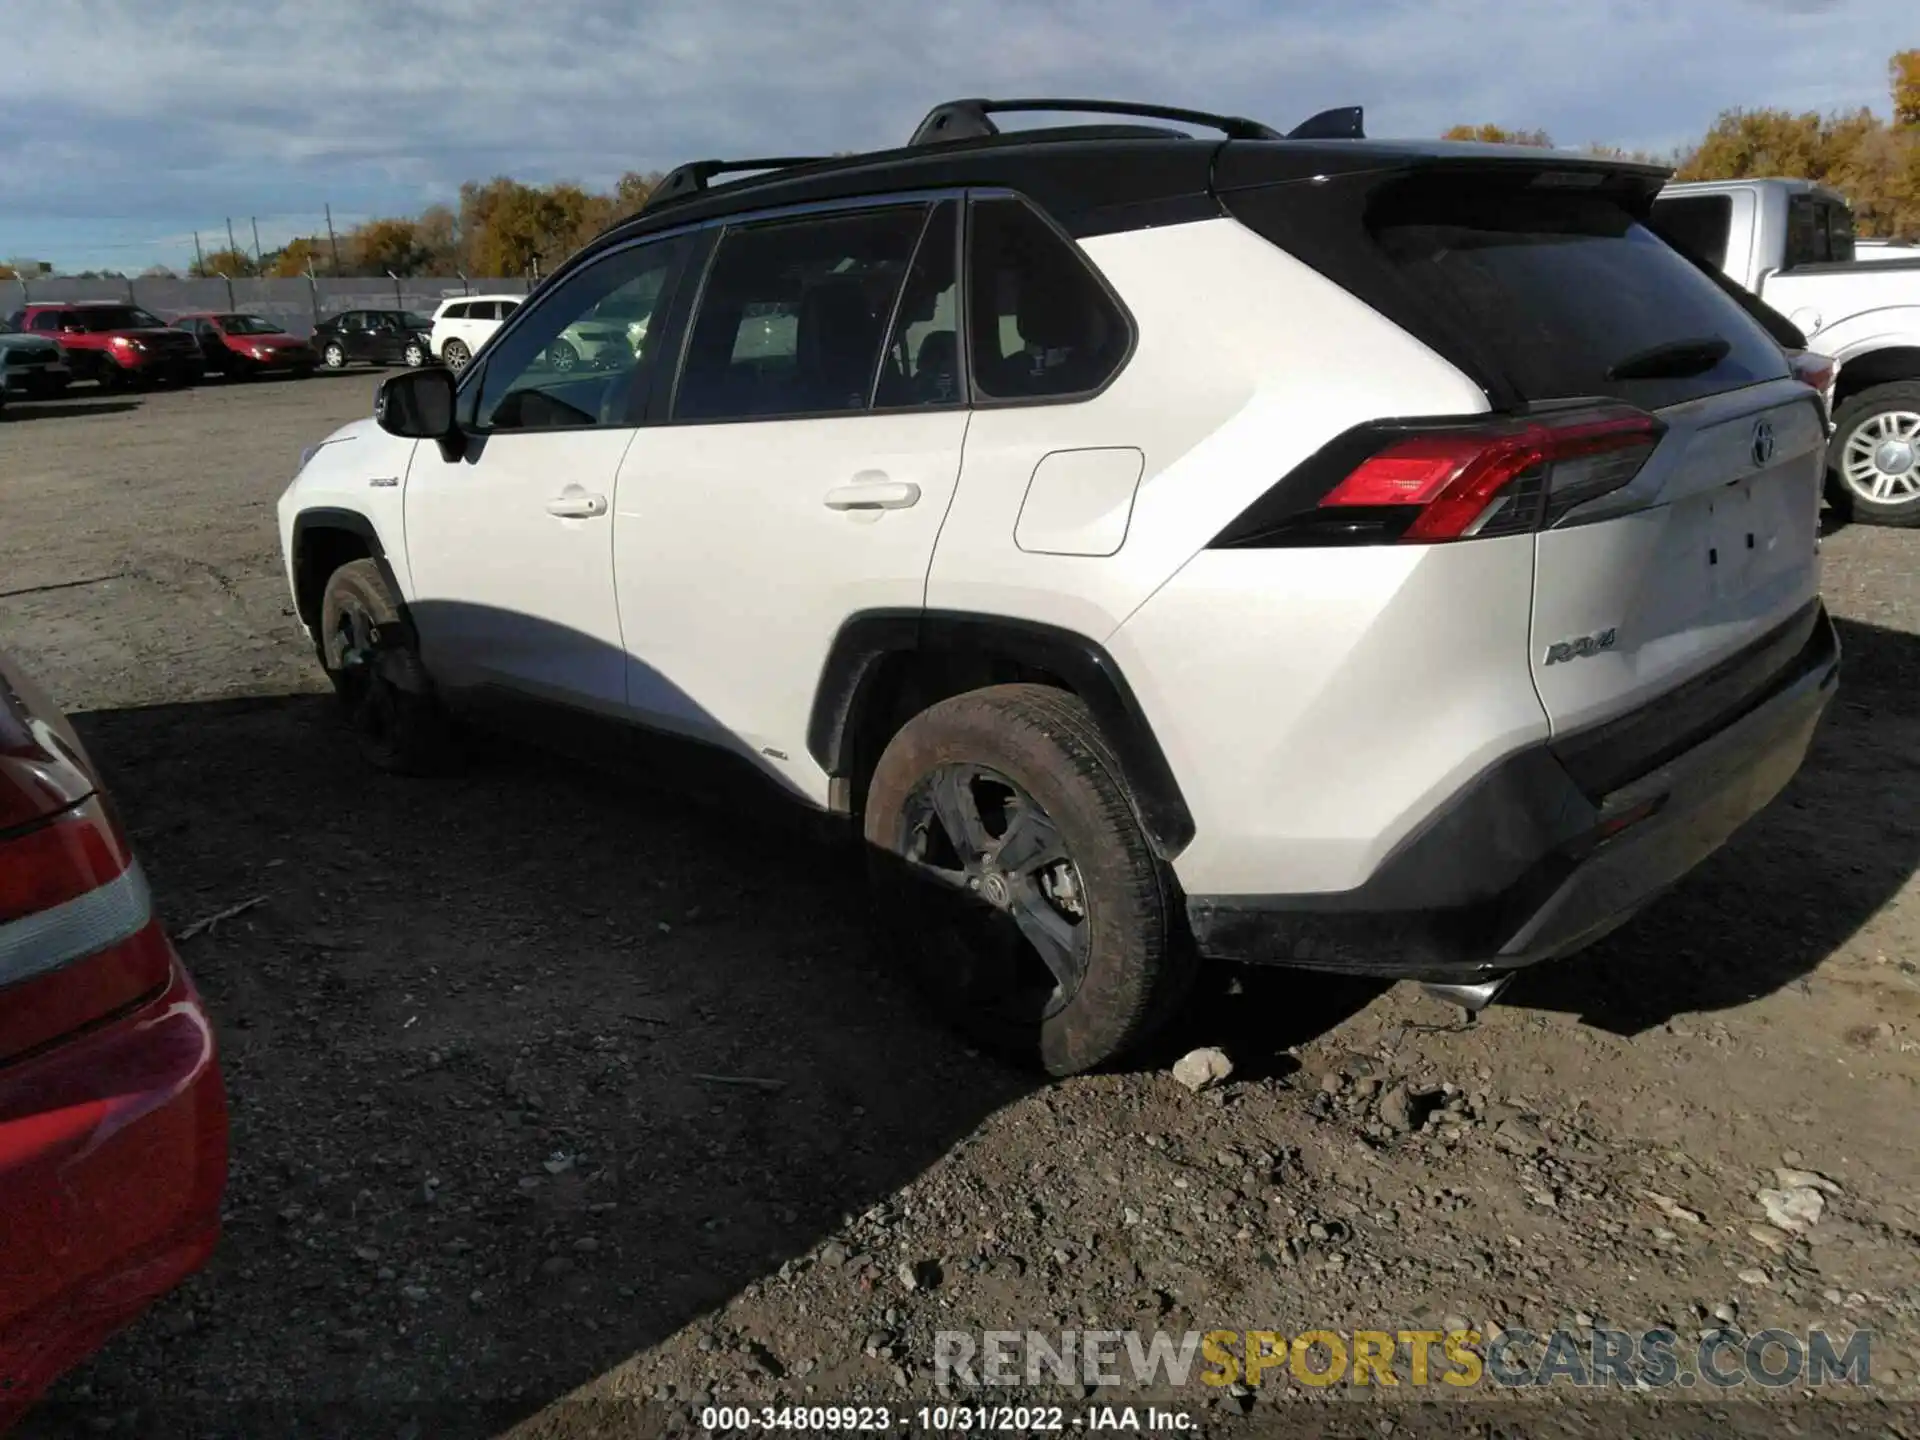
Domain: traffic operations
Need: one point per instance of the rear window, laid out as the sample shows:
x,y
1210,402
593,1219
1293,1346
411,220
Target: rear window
x,y
1568,295
1699,223
1819,232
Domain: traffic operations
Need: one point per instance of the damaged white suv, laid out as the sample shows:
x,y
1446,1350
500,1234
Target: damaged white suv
x,y
1367,556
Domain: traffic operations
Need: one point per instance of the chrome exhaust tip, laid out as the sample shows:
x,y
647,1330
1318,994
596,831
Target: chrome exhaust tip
x,y
1471,998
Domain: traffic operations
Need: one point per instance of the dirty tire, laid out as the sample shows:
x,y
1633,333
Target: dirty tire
x,y
1899,399
382,687
1136,963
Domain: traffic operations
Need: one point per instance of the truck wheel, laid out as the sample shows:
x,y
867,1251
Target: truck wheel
x,y
1010,876
1875,454
376,673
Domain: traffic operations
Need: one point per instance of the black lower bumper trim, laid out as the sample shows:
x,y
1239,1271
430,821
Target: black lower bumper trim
x,y
1524,865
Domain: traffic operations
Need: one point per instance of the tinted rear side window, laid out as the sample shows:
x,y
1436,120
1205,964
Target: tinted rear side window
x,y
1041,326
1562,289
1698,223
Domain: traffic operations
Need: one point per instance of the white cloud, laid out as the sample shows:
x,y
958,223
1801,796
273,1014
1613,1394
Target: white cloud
x,y
123,117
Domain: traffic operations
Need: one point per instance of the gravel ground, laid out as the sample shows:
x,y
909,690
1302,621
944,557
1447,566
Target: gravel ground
x,y
493,1168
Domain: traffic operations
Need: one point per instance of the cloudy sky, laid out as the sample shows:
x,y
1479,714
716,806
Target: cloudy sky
x,y
125,125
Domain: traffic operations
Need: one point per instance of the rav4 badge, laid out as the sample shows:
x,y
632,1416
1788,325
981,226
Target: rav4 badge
x,y
1581,647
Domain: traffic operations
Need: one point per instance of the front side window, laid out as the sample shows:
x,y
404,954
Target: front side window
x,y
794,316
586,356
1040,324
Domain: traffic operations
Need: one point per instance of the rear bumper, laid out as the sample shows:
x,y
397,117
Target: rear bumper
x,y
1525,865
113,1160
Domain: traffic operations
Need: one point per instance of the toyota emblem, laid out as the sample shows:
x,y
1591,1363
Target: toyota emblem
x,y
1762,442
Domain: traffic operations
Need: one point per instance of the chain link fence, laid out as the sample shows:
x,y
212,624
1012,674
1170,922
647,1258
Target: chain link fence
x,y
296,304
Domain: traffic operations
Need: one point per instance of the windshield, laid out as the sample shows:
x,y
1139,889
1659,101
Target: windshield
x,y
96,319
247,325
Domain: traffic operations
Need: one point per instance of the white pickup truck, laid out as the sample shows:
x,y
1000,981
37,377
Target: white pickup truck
x,y
1791,243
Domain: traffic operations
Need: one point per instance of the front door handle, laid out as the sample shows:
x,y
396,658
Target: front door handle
x,y
577,507
874,495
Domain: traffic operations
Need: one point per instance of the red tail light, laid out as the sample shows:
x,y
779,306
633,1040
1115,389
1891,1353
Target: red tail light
x,y
77,935
1815,371
1460,481
1450,480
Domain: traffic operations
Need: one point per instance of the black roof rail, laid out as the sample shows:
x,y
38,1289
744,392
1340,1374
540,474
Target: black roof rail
x,y
969,119
1344,122
691,178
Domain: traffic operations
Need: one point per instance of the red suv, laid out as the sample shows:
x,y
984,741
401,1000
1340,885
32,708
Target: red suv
x,y
115,343
113,1118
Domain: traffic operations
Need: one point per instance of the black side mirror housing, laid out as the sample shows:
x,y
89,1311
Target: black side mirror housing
x,y
418,405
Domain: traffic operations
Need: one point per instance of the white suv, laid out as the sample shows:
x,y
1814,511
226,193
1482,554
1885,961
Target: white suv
x,y
463,323
1375,557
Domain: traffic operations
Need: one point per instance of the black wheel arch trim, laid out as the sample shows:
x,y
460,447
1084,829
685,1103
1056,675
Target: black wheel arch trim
x,y
850,677
327,517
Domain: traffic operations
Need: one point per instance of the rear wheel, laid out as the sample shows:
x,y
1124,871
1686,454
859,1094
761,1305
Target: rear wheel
x,y
562,356
377,675
1010,876
1875,454
415,355
456,355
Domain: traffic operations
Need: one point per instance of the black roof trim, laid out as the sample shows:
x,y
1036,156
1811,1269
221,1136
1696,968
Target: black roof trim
x,y
692,178
970,119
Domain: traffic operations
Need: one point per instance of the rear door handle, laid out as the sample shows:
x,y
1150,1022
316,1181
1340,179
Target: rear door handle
x,y
577,507
874,495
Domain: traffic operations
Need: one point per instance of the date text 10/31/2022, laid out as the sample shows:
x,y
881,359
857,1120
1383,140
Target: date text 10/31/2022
x,y
941,1419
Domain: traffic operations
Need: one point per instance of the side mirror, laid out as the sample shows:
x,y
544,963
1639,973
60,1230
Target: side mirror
x,y
418,405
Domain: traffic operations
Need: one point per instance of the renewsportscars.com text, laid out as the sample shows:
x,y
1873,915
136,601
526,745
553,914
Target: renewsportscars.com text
x,y
1455,1359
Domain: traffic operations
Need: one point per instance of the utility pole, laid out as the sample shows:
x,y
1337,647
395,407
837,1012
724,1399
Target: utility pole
x,y
259,259
233,247
333,242
199,260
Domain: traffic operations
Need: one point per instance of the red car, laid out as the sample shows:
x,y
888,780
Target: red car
x,y
113,1117
246,345
114,343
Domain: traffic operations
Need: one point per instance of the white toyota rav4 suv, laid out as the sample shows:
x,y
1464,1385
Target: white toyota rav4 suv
x,y
1376,557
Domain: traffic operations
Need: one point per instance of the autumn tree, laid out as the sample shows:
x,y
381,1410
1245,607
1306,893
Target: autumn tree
x,y
387,246
231,263
1497,135
1903,79
438,231
297,257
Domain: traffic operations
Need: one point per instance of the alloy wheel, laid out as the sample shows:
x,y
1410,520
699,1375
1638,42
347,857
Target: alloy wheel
x,y
1008,910
1881,460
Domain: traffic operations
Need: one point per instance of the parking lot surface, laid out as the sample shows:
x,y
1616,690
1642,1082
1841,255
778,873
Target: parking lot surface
x,y
564,1105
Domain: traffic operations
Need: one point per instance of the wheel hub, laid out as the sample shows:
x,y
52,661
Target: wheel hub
x,y
1895,457
995,890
